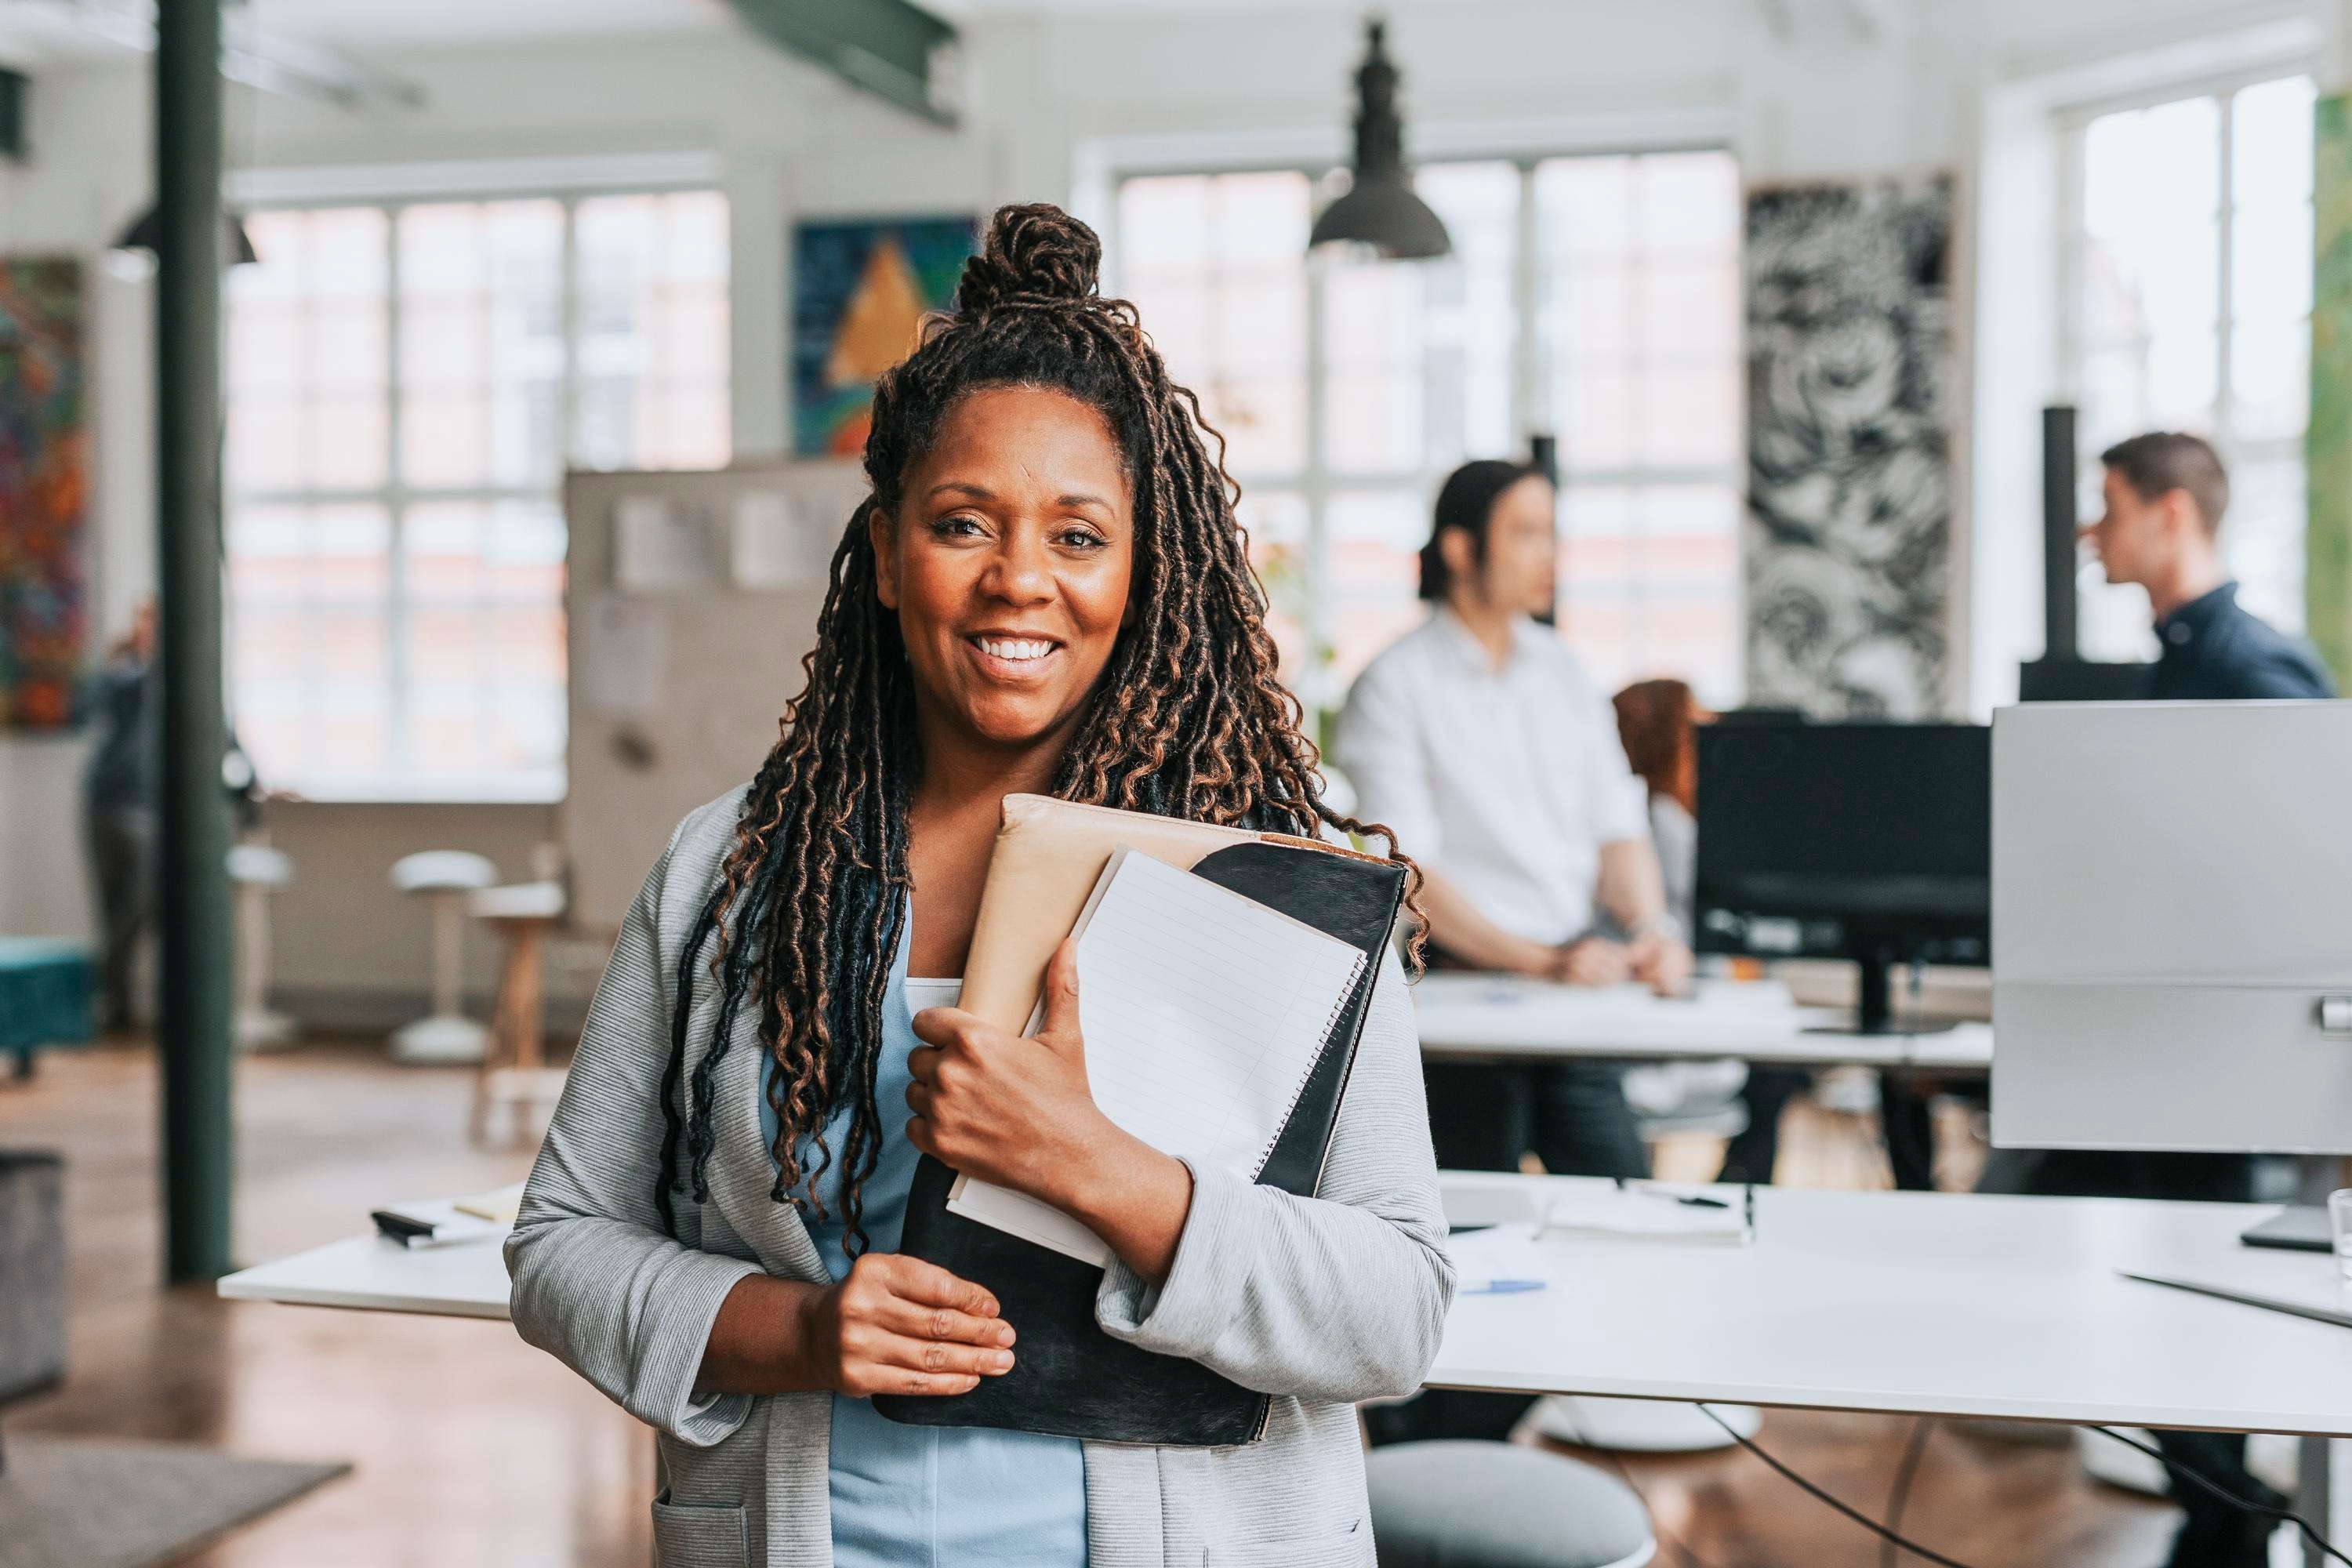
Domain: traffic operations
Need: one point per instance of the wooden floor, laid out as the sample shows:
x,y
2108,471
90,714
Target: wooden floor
x,y
471,1449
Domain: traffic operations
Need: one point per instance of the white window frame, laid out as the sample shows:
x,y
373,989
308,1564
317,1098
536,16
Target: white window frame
x,y
370,189
1530,401
2072,123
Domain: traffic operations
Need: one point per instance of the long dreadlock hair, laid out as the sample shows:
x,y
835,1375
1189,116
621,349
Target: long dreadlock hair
x,y
1187,718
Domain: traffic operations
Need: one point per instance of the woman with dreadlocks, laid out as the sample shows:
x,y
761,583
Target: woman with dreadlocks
x,y
1044,591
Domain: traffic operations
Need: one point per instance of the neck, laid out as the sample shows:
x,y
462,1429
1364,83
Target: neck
x,y
960,770
1490,624
2195,574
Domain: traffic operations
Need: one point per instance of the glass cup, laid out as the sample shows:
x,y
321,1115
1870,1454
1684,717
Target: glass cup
x,y
2339,1225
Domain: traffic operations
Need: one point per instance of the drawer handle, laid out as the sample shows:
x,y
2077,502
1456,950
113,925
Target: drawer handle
x,y
2335,1014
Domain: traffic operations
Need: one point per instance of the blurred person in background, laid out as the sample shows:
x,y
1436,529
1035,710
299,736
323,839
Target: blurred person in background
x,y
1481,741
119,804
1658,722
2166,494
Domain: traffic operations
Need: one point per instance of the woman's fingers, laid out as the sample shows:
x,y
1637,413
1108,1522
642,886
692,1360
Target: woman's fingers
x,y
928,1285
914,1321
883,1363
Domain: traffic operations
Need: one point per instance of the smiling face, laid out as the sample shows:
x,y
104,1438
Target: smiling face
x,y
1009,563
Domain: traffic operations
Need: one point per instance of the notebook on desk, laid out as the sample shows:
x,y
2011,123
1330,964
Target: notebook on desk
x,y
1069,1378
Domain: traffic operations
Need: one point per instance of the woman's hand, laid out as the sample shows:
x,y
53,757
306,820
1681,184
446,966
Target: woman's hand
x,y
895,1325
1007,1109
899,1325
1018,1112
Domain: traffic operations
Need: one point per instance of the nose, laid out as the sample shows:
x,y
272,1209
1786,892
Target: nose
x,y
1021,572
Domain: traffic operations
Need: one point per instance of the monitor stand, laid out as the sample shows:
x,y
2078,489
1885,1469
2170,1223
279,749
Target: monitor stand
x,y
1875,1015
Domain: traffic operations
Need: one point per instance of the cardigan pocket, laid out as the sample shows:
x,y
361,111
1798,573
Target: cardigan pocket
x,y
690,1536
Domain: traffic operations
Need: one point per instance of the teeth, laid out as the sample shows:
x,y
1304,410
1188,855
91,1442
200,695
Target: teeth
x,y
1015,648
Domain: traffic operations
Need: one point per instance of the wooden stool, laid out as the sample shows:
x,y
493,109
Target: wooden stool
x,y
514,1072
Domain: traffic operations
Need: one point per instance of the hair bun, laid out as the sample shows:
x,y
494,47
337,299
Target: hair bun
x,y
1037,252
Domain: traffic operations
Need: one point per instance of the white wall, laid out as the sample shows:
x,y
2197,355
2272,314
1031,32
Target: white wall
x,y
1851,86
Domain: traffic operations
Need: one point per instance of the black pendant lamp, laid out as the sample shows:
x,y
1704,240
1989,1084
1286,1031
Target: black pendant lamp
x,y
1380,209
147,234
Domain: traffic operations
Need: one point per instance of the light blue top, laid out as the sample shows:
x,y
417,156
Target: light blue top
x,y
931,1497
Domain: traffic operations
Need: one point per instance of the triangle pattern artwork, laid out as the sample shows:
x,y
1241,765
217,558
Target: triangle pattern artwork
x,y
860,291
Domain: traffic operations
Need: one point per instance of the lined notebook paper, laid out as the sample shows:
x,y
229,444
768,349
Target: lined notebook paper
x,y
1203,1012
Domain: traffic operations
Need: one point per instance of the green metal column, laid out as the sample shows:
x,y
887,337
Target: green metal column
x,y
193,869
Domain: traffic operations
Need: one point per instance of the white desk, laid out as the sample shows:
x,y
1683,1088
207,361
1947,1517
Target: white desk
x,y
371,1274
1504,1017
1928,1303
1921,1303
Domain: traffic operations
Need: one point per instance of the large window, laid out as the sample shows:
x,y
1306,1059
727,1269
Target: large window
x,y
1596,298
2189,288
408,385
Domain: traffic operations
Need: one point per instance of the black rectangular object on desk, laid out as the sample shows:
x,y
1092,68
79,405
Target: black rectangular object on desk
x,y
2298,1228
1069,1379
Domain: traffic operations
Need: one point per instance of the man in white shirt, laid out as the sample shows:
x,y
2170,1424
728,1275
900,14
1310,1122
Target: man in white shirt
x,y
1482,743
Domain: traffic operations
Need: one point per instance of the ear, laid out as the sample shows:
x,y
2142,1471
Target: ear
x,y
882,533
1460,553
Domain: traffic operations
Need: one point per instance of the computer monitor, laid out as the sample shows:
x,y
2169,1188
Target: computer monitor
x,y
2172,899
1870,842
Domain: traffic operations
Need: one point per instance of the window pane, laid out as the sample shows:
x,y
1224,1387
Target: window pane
x,y
1276,521
1216,266
654,321
1420,356
2159,346
2262,540
1375,565
1640,337
482,357
311,643
1643,580
308,336
396,615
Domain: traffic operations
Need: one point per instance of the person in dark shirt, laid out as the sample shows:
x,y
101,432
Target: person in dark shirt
x,y
2166,496
118,806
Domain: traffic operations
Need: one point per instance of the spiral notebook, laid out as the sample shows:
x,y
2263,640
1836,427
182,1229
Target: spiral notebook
x,y
1203,1014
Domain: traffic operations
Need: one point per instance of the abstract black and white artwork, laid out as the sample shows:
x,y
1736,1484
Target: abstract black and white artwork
x,y
1848,547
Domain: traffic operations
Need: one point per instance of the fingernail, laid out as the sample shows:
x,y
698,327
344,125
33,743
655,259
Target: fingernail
x,y
1004,1334
1002,1360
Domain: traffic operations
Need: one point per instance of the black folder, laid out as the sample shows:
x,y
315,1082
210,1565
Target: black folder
x,y
1069,1378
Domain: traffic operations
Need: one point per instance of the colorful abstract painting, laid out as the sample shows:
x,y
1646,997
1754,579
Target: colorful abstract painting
x,y
859,293
44,490
1849,538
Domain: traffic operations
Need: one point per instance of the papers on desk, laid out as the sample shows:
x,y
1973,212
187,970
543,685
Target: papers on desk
x,y
1644,1212
450,1222
1536,1250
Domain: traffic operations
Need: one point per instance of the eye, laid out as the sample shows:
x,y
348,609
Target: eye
x,y
956,525
1078,536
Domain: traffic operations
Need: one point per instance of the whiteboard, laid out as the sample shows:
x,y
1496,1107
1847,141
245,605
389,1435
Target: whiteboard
x,y
689,600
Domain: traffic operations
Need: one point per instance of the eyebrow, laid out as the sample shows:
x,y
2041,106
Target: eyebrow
x,y
978,492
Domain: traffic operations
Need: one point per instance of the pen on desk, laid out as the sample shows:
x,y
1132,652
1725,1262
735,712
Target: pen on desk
x,y
1751,1211
1496,1286
1688,1200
